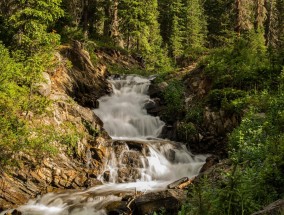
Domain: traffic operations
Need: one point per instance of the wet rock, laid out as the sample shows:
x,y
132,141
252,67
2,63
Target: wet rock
x,y
14,212
99,154
170,200
132,159
150,105
138,146
210,161
118,208
119,147
126,174
156,90
106,175
170,155
156,111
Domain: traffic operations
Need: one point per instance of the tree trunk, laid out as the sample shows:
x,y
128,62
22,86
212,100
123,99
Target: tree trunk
x,y
85,18
115,23
238,17
108,18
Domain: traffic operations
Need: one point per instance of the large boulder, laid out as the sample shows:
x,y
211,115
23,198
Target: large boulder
x,y
170,200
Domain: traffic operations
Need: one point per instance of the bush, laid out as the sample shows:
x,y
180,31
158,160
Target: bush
x,y
243,65
228,98
174,99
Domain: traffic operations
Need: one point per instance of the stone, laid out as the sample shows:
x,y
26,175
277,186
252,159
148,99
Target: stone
x,y
97,154
128,174
228,124
150,104
44,87
210,161
200,137
163,85
170,200
195,84
106,175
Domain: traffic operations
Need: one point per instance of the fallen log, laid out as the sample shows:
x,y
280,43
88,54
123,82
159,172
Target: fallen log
x,y
175,184
185,184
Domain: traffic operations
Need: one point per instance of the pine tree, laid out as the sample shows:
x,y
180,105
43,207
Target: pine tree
x,y
176,37
244,20
260,14
172,26
195,26
275,31
30,21
220,21
140,29
176,46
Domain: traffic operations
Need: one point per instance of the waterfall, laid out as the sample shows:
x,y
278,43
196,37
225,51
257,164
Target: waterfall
x,y
123,112
139,160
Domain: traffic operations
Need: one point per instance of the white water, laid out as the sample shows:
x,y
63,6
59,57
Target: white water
x,y
125,118
123,114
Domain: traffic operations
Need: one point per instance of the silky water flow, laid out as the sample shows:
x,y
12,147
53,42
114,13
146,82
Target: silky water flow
x,y
159,163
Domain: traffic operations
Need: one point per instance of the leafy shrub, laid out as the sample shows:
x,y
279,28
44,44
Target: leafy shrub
x,y
186,131
228,98
243,65
194,114
174,99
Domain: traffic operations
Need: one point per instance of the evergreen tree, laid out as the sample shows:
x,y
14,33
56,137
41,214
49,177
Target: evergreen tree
x,y
260,14
275,32
172,26
140,29
244,21
220,21
195,26
31,20
176,37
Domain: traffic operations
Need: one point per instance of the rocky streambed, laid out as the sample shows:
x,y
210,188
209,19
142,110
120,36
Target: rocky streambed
x,y
135,168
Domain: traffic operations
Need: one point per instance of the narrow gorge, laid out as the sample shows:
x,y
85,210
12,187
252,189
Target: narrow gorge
x,y
139,162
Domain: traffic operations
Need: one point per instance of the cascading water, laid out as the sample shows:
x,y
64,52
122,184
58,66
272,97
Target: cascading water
x,y
139,161
123,114
125,117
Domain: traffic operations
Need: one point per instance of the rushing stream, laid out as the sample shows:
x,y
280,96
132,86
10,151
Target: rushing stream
x,y
140,161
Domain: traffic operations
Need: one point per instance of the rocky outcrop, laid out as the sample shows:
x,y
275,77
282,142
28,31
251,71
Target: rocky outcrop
x,y
204,129
82,80
72,168
64,171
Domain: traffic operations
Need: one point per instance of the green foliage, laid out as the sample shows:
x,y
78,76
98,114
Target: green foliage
x,y
256,177
69,137
142,33
183,28
186,131
70,33
195,29
194,114
243,65
229,99
17,101
174,99
30,22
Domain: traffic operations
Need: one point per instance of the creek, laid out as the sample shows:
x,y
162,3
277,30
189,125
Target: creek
x,y
139,161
